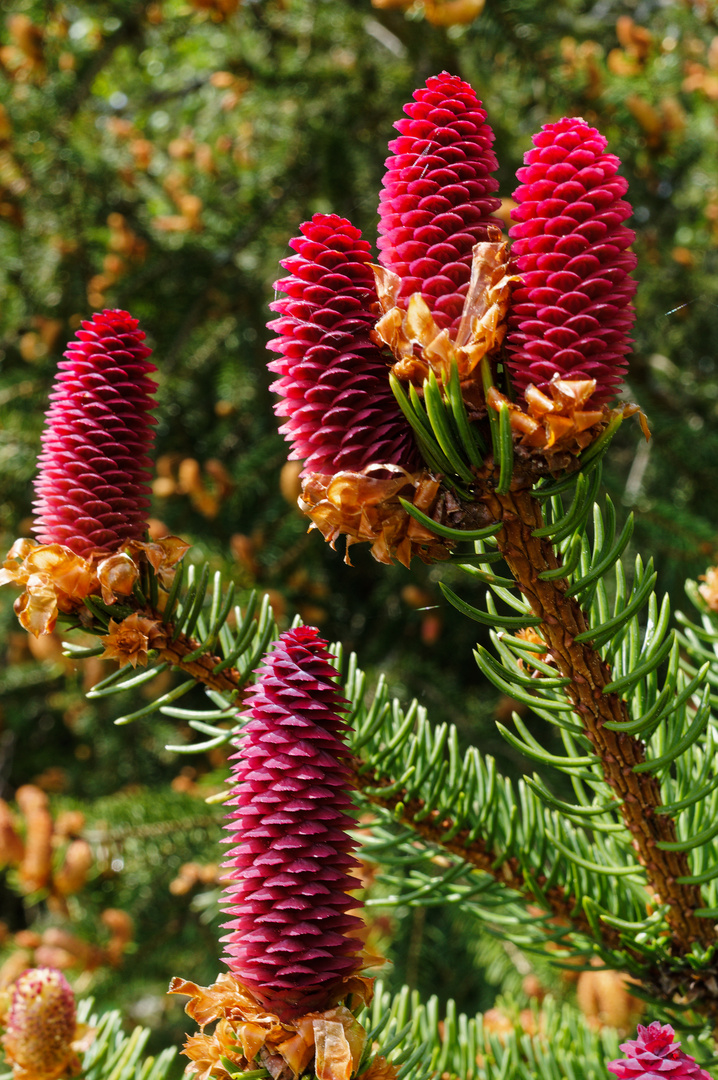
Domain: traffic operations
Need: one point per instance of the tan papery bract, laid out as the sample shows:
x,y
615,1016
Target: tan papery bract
x,y
117,575
130,641
333,1038
57,580
365,507
417,342
204,1052
380,1069
162,555
560,424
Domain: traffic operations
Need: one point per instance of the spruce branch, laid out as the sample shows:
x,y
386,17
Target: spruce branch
x,y
562,620
434,827
203,668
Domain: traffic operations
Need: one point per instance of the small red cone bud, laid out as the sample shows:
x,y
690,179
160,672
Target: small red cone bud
x,y
93,484
438,196
290,937
571,314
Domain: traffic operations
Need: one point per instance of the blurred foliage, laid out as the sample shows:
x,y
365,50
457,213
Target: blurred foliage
x,y
156,155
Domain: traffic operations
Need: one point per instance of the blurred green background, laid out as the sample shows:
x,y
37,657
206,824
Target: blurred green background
x,y
157,156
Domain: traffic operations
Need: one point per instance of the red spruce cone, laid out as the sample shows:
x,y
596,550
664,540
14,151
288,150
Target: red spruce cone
x,y
572,313
438,195
654,1054
333,380
92,489
287,896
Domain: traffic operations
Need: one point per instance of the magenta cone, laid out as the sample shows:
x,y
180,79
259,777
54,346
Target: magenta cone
x,y
438,195
92,489
334,381
571,314
290,936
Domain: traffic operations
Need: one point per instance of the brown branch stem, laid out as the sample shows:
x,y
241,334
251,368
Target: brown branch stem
x,y
202,669
562,619
508,872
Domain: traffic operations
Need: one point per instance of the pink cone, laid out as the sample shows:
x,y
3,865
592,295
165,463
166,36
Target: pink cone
x,y
572,313
654,1054
290,938
334,383
438,195
93,483
41,1025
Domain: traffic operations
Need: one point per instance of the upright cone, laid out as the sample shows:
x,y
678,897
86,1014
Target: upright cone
x,y
92,490
291,938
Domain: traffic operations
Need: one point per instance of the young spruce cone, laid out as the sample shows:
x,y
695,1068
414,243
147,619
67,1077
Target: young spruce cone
x,y
291,935
438,196
341,413
571,314
654,1054
92,489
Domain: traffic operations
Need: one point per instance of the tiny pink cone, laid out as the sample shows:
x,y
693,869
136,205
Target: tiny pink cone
x,y
571,314
92,489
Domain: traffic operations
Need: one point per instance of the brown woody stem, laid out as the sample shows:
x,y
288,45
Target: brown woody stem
x,y
201,669
562,619
565,908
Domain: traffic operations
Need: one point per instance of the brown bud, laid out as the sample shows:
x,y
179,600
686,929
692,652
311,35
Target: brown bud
x,y
12,848
72,875
35,867
121,929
